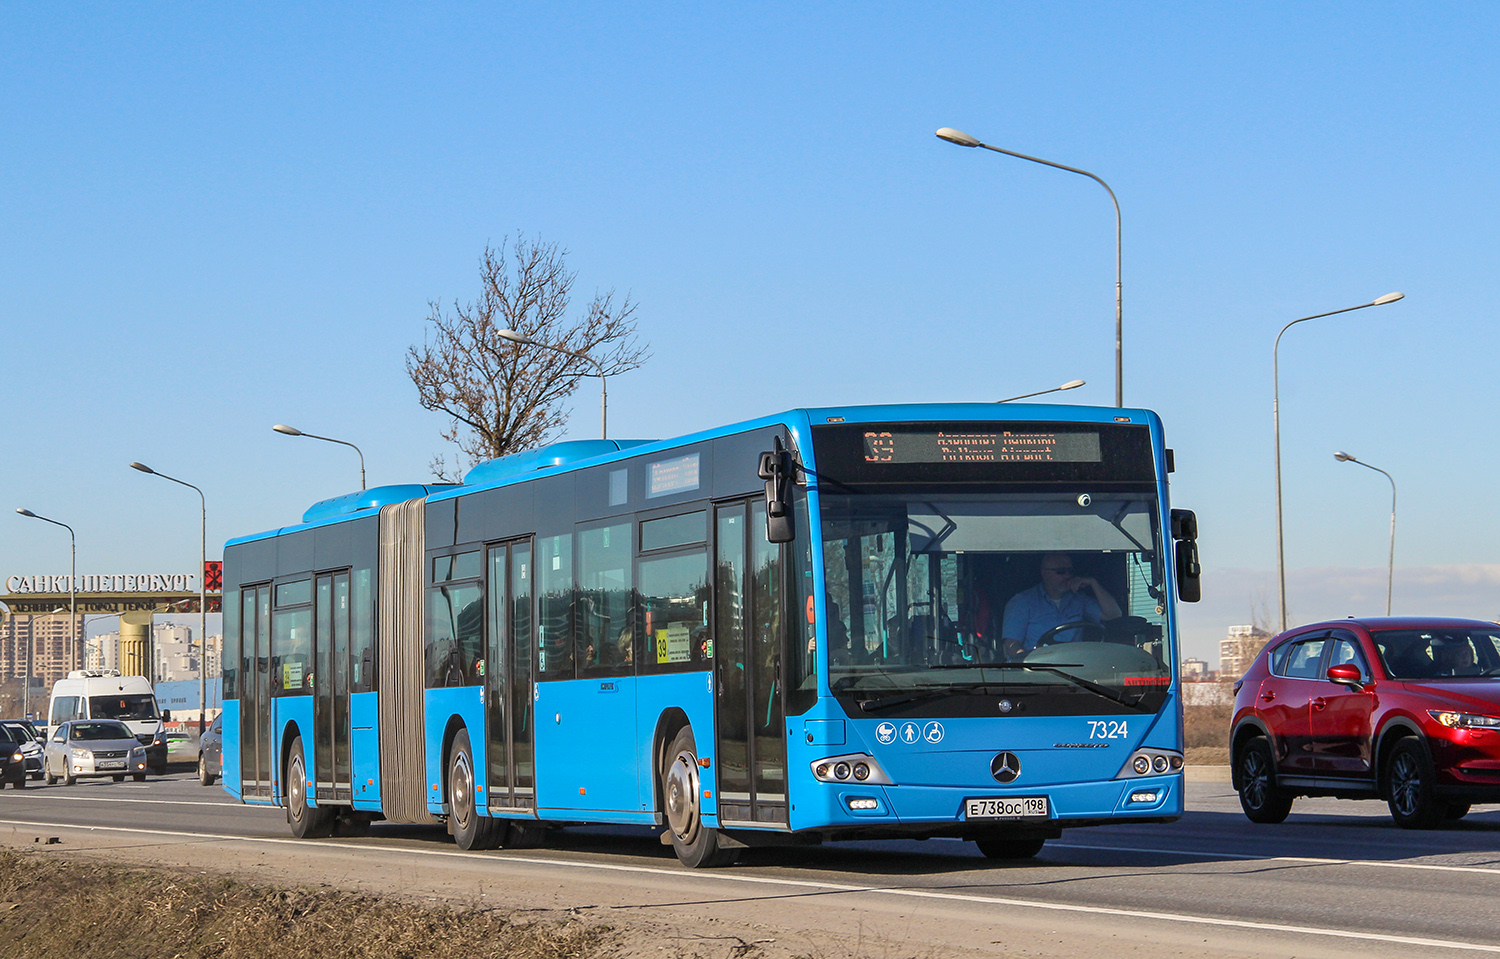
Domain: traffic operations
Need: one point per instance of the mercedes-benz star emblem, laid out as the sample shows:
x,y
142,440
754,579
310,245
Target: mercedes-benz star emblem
x,y
1005,767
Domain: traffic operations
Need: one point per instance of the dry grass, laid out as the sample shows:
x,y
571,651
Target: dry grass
x,y
57,907
1206,733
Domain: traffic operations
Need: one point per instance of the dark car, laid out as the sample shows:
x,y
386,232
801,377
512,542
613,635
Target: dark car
x,y
211,752
12,758
31,745
1401,709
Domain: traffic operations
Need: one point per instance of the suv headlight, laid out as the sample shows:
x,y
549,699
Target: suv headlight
x,y
1464,720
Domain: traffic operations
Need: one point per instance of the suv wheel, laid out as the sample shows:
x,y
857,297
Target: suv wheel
x,y
1261,799
1409,787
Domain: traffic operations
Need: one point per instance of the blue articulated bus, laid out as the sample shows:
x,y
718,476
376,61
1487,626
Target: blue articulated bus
x,y
827,624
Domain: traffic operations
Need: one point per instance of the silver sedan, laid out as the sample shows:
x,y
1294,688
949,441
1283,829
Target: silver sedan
x,y
93,747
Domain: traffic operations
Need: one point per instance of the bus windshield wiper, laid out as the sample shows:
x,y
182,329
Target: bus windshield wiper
x,y
1054,668
920,696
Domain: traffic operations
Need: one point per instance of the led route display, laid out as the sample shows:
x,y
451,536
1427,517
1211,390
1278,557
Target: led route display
x,y
1005,446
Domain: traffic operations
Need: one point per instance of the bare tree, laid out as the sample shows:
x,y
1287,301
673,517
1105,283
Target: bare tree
x,y
504,397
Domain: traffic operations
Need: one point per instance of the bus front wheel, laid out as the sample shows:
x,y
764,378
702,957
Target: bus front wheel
x,y
696,845
307,822
470,830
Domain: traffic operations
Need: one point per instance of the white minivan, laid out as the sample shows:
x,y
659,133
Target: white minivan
x,y
105,694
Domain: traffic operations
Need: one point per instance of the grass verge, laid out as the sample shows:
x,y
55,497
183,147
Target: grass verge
x,y
58,907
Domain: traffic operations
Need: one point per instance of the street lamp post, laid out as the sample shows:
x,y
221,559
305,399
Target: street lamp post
x,y
72,602
524,340
202,588
964,140
1276,421
1390,569
1070,385
293,431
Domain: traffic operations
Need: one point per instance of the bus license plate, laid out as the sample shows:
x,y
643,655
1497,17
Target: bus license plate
x,y
112,764
1010,807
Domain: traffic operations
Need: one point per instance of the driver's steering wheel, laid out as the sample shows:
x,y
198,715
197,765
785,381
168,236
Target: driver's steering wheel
x,y
1050,636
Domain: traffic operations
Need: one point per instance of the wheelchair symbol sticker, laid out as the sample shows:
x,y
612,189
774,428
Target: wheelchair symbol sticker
x,y
933,733
910,733
885,733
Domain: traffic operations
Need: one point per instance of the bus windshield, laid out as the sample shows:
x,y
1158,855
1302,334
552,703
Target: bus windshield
x,y
947,603
123,707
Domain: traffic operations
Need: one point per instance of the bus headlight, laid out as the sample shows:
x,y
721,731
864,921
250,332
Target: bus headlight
x,y
855,767
1151,762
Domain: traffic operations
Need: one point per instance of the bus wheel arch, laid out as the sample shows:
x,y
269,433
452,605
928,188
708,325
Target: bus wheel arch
x,y
697,845
469,826
445,753
306,820
672,721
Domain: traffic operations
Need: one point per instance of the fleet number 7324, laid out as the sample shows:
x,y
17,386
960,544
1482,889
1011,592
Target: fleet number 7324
x,y
1108,729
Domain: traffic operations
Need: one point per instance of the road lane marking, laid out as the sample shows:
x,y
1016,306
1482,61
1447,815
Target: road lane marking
x,y
1303,860
909,893
154,802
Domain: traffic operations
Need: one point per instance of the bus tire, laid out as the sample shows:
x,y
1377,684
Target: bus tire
x,y
307,822
470,830
696,845
1010,847
525,835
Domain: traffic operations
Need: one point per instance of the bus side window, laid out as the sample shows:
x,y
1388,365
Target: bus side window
x,y
674,611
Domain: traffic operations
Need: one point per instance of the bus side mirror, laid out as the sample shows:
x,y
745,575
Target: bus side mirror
x,y
776,469
1189,571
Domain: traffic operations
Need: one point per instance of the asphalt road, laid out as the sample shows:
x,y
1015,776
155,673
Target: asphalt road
x,y
1336,879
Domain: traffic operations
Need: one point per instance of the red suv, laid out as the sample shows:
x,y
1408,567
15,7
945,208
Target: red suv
x,y
1407,710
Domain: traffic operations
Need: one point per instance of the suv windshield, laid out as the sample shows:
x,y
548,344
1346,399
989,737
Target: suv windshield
x,y
123,707
1438,653
946,602
89,732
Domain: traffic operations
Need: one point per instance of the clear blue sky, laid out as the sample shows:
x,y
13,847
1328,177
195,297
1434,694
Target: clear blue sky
x,y
216,218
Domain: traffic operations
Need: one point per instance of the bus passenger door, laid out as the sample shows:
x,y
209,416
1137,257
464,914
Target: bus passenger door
x,y
508,680
255,692
331,688
748,589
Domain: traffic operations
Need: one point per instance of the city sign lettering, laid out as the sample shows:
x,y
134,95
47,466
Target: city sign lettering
x,y
116,583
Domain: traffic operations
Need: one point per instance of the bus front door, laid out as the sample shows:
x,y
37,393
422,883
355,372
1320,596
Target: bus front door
x,y
255,692
748,636
509,681
331,687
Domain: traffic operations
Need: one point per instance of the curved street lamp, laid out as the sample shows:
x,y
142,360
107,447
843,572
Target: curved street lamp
x,y
523,340
72,604
1390,574
964,140
1276,420
1070,385
293,431
202,590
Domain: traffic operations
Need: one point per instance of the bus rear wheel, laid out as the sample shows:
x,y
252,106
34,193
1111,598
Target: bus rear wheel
x,y
307,822
470,830
696,845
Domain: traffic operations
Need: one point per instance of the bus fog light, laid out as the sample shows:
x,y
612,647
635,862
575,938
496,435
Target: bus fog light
x,y
861,772
1143,797
864,802
822,771
841,771
1159,764
1142,765
1176,762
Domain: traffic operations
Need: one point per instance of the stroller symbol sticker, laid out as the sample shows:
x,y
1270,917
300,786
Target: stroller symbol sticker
x,y
885,733
933,733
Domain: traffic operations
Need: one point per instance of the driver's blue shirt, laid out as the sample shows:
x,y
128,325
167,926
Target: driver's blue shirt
x,y
1031,612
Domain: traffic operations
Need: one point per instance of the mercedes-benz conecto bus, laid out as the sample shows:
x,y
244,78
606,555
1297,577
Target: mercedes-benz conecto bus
x,y
855,623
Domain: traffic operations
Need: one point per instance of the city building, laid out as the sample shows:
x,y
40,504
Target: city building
x,y
50,638
1194,670
1237,649
174,653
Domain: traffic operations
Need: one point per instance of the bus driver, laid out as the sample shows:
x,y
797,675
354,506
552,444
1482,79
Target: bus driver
x,y
1059,598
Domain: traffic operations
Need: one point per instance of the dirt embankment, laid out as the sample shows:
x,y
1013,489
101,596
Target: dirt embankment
x,y
57,907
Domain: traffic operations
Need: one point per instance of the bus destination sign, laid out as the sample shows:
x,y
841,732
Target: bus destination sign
x,y
968,446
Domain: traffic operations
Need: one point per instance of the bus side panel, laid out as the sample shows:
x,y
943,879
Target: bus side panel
x,y
693,694
229,756
364,750
586,734
439,706
292,717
